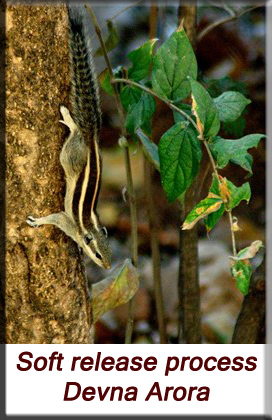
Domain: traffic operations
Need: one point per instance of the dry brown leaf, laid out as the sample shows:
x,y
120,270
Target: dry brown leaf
x,y
114,290
248,252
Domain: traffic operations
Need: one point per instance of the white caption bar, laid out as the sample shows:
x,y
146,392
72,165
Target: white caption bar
x,y
133,379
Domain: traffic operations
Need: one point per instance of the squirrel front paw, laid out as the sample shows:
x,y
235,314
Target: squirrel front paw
x,y
31,221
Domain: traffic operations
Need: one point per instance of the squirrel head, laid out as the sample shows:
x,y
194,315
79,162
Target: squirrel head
x,y
95,244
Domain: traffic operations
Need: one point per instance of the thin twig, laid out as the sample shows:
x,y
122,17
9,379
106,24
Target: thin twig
x,y
212,160
130,187
231,18
152,214
151,92
234,251
228,210
119,13
230,11
125,9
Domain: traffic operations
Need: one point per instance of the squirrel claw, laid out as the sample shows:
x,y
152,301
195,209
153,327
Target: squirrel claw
x,y
31,221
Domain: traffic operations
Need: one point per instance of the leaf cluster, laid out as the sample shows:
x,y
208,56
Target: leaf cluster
x,y
170,75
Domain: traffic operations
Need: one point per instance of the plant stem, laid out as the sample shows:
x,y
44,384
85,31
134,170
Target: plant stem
x,y
130,187
231,18
151,211
212,160
229,211
151,92
155,250
116,94
134,242
234,251
125,9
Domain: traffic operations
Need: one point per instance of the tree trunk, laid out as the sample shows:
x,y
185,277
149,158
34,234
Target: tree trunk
x,y
250,326
46,289
2,174
188,282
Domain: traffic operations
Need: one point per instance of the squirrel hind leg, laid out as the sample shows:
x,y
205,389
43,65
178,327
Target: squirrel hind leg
x,y
67,119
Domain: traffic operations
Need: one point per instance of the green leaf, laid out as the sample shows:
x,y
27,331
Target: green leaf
x,y
104,79
237,194
130,96
205,110
230,105
210,204
141,59
150,149
112,39
140,115
213,218
235,151
174,62
241,271
180,154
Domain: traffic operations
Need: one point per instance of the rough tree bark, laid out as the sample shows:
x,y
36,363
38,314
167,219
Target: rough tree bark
x,y
188,284
2,174
250,325
46,294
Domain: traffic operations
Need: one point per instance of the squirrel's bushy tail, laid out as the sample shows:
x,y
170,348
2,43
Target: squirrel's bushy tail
x,y
84,93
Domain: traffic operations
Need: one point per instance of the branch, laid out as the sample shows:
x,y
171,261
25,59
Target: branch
x,y
125,9
231,18
166,101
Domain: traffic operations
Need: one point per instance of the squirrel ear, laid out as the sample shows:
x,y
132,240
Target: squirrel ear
x,y
104,229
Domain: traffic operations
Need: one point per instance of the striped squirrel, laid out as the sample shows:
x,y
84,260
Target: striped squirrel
x,y
80,156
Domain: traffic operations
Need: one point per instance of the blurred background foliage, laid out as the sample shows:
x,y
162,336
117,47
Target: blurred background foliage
x,y
230,57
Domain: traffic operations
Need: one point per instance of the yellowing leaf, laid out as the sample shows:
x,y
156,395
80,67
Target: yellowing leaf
x,y
200,126
249,252
241,272
205,111
225,193
207,206
235,227
114,290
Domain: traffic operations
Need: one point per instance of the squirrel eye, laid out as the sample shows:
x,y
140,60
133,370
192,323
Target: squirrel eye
x,y
88,239
104,229
98,256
